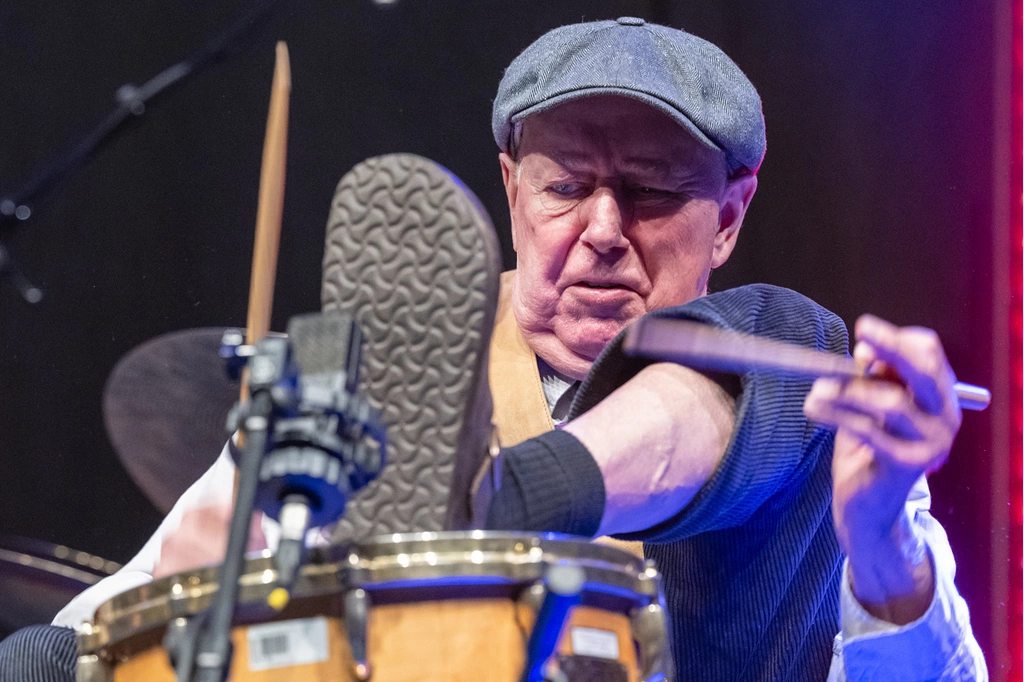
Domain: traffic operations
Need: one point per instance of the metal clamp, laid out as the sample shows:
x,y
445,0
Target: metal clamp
x,y
650,630
357,607
486,483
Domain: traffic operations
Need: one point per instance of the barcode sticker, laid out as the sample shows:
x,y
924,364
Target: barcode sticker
x,y
292,642
594,642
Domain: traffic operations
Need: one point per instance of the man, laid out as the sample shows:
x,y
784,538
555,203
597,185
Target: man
x,y
629,157
627,183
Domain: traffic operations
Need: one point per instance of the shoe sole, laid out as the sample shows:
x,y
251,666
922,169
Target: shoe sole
x,y
411,252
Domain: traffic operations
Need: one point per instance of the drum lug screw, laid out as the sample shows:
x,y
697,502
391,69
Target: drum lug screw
x,y
363,672
533,596
552,673
91,668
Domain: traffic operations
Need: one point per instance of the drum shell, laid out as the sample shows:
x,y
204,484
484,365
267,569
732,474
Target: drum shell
x,y
455,606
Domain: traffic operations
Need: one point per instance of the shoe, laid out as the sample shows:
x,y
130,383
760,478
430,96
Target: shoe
x,y
412,253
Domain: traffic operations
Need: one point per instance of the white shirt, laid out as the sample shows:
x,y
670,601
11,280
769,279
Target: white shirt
x,y
937,646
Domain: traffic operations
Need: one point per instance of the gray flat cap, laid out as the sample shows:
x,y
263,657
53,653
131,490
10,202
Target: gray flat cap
x,y
688,78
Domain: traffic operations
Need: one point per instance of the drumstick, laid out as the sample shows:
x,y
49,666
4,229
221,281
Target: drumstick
x,y
700,345
269,210
270,207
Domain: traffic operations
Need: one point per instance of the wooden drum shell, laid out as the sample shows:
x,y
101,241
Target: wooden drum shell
x,y
444,606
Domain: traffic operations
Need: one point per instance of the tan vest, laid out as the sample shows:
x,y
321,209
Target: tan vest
x,y
520,408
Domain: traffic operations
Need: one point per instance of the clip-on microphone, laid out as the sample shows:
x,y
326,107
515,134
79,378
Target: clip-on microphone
x,y
310,442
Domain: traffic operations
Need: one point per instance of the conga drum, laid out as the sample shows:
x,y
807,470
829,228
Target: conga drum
x,y
454,606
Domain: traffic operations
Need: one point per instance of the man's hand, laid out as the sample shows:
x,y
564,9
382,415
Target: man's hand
x,y
892,426
202,539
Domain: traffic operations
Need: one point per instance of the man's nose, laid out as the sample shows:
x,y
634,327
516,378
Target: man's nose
x,y
605,219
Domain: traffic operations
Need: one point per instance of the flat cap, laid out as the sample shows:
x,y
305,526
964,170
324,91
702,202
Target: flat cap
x,y
687,77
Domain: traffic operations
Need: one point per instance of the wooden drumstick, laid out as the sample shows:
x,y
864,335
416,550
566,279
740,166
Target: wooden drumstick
x,y
707,347
270,207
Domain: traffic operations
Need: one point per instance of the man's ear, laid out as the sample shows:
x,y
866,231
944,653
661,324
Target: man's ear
x,y
510,176
731,209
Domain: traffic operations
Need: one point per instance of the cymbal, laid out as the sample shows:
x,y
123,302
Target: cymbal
x,y
38,578
165,407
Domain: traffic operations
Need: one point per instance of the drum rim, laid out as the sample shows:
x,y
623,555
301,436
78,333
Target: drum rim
x,y
377,564
60,560
557,543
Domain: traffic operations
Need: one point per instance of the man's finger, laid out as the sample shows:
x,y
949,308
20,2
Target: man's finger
x,y
918,456
837,417
864,355
890,404
820,405
917,356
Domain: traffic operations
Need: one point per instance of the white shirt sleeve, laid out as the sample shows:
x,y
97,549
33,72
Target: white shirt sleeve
x,y
938,646
215,487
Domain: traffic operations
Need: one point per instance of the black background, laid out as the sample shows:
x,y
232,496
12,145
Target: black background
x,y
875,195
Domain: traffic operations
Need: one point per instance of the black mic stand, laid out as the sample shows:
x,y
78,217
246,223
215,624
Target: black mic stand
x,y
203,651
131,103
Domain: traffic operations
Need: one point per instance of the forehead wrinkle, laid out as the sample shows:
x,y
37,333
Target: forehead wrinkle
x,y
571,160
646,165
582,147
630,155
587,145
636,166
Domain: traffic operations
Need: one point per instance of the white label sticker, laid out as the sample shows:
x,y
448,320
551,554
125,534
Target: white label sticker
x,y
292,642
594,642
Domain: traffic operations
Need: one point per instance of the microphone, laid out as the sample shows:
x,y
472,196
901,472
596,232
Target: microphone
x,y
324,442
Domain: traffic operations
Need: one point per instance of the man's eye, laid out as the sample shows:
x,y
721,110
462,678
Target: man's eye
x,y
644,193
649,191
565,189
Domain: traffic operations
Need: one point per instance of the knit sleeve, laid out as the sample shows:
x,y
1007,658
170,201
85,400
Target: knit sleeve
x,y
549,483
773,444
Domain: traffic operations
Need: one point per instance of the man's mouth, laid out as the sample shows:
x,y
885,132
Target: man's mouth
x,y
604,285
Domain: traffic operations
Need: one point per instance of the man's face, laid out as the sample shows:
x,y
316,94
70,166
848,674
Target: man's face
x,y
616,210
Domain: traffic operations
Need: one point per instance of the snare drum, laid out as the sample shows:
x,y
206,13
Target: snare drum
x,y
424,606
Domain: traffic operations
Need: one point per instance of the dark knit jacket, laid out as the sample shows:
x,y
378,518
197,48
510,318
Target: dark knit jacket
x,y
751,566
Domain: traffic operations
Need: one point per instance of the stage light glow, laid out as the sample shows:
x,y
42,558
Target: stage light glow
x,y
1015,630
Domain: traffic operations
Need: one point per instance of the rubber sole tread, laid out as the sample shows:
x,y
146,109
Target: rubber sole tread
x,y
412,254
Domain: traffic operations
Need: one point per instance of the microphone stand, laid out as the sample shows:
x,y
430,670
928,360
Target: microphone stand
x,y
201,652
131,103
210,650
